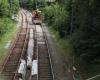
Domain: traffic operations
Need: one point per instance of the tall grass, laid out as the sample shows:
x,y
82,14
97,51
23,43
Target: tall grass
x,y
6,25
56,16
64,49
7,30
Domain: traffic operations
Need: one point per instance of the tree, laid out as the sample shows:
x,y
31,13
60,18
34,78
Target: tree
x,y
4,8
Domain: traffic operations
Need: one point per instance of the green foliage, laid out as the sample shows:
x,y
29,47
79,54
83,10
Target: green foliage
x,y
15,6
41,3
5,26
56,16
4,8
8,7
85,38
34,4
80,18
30,4
7,35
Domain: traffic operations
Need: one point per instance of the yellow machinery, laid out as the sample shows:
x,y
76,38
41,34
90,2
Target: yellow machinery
x,y
37,17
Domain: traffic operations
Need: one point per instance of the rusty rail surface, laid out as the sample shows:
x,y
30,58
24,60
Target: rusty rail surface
x,y
45,70
50,58
24,50
11,63
18,51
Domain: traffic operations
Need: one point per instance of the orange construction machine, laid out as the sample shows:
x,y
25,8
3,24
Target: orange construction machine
x,y
37,17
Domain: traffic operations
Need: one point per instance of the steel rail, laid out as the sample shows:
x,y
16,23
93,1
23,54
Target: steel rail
x,y
45,36
12,47
22,52
48,54
37,49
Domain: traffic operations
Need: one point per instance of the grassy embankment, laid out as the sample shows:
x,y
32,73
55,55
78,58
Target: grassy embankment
x,y
65,52
7,31
58,19
64,47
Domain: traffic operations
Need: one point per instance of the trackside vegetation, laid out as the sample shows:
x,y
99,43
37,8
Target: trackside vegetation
x,y
75,25
78,21
7,25
6,36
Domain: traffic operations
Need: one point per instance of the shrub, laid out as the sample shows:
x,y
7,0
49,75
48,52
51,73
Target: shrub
x,y
4,8
56,16
5,26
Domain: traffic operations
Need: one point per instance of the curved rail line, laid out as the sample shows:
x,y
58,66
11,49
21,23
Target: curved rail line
x,y
18,51
10,66
11,47
23,55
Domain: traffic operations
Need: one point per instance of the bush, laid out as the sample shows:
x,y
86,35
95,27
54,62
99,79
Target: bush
x,y
6,25
4,8
15,6
56,16
30,4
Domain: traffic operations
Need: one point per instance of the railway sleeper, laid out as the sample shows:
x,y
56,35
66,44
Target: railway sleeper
x,y
45,77
9,77
42,50
21,39
44,61
44,72
8,70
43,55
44,64
13,62
17,50
8,74
14,54
19,45
11,65
33,78
44,67
13,59
43,45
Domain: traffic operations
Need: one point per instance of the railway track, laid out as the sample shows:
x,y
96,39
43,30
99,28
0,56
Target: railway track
x,y
11,63
45,71
30,46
